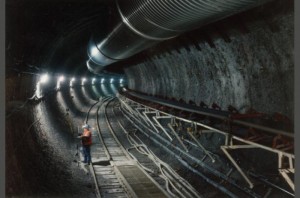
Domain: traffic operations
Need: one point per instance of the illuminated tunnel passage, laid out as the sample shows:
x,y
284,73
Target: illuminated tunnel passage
x,y
47,153
201,103
50,143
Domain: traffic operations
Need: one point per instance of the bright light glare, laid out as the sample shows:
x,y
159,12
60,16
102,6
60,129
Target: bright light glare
x,y
61,78
102,80
44,78
121,80
111,80
82,81
71,82
38,90
93,80
94,51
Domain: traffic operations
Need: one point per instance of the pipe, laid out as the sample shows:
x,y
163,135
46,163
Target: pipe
x,y
264,180
157,139
144,23
211,113
169,151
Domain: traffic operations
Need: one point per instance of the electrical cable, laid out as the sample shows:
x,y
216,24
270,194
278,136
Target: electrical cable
x,y
183,186
202,164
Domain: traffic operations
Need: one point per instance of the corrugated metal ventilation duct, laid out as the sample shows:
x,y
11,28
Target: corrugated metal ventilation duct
x,y
147,22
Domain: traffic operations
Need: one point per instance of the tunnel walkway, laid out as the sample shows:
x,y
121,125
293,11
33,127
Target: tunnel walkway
x,y
114,172
140,151
126,139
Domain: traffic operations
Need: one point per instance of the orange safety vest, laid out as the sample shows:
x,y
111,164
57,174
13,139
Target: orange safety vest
x,y
86,138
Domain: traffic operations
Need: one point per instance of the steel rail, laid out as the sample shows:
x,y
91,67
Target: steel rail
x,y
253,144
113,132
87,115
98,194
92,170
105,147
199,162
152,156
165,145
264,180
129,157
100,133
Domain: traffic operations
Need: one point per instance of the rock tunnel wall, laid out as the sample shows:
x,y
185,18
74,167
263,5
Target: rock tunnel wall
x,y
248,64
17,90
40,144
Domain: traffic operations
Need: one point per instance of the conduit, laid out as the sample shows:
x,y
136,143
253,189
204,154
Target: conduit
x,y
144,23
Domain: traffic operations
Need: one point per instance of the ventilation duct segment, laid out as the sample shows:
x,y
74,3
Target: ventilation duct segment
x,y
144,23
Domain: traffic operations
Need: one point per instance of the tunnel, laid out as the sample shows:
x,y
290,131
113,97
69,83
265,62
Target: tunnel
x,y
182,98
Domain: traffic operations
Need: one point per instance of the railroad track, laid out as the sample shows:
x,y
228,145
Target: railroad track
x,y
176,151
119,147
127,171
104,150
161,172
159,134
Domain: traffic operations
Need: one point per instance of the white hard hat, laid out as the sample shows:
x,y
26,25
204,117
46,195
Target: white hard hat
x,y
86,126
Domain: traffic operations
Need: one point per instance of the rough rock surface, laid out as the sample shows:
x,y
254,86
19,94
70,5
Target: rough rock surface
x,y
248,64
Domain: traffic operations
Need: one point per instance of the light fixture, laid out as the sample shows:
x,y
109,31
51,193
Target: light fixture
x,y
82,81
61,78
44,78
71,82
121,80
102,80
111,80
93,81
94,51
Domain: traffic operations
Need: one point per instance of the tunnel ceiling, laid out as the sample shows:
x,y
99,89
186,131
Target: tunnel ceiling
x,y
243,63
245,53
52,35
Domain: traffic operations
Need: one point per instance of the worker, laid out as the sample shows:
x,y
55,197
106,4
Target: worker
x,y
86,141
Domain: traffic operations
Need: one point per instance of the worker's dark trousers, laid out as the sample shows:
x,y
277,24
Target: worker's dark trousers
x,y
87,154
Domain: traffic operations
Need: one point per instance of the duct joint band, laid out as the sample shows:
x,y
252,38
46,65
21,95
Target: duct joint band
x,y
127,23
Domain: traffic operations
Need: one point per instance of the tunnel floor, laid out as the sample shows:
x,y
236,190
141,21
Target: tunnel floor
x,y
44,157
